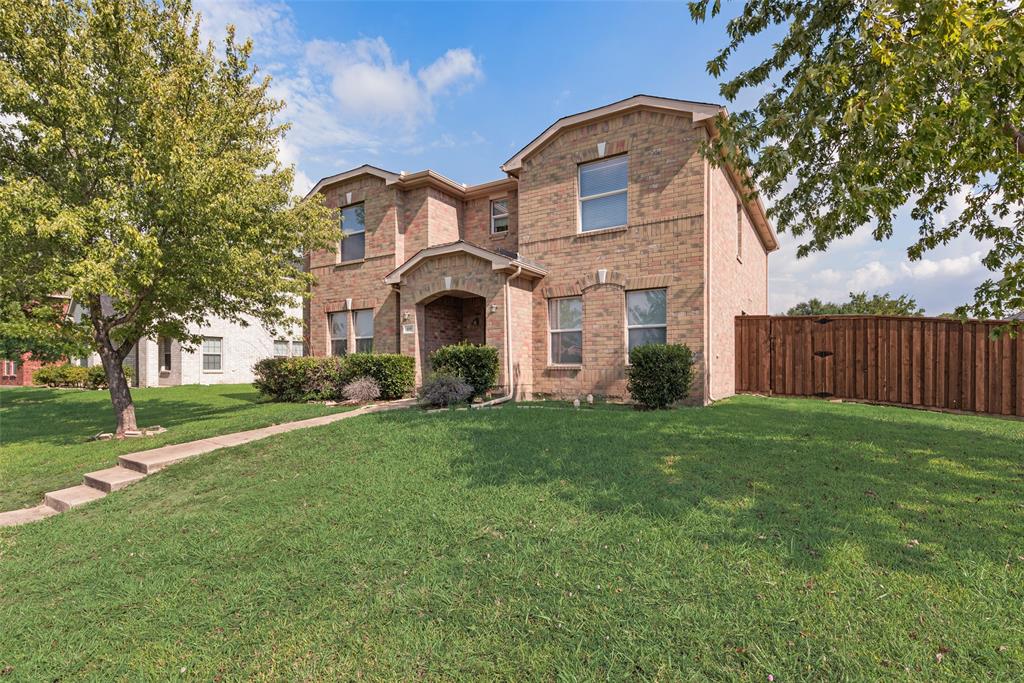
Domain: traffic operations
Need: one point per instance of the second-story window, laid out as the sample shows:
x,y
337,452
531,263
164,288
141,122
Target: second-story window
x,y
353,229
603,193
499,216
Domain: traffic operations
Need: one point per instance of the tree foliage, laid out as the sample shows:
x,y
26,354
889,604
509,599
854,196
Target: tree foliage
x,y
865,107
860,303
139,175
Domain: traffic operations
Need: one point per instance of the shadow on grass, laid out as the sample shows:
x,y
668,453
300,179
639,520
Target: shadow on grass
x,y
806,479
62,417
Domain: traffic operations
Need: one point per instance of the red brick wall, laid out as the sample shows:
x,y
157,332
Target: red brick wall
x,y
662,246
738,280
22,374
477,222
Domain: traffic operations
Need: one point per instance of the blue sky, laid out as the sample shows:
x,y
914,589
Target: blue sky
x,y
459,88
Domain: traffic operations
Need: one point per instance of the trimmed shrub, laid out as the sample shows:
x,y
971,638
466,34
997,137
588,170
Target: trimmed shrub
x,y
73,376
445,389
475,363
309,378
303,378
394,373
362,390
660,374
96,377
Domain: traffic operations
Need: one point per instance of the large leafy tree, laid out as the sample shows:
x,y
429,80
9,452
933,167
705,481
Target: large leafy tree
x,y
139,176
864,107
862,304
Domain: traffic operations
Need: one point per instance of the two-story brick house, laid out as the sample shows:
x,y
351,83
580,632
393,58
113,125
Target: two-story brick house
x,y
609,230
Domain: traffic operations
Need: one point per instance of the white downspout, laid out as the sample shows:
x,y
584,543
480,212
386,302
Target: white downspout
x,y
508,347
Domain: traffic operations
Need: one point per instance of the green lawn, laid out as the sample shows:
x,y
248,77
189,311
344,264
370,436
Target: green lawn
x,y
794,538
44,432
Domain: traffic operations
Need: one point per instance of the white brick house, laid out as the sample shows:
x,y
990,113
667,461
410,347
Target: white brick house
x,y
226,356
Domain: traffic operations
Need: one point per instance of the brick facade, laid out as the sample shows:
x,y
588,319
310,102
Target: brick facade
x,y
681,235
18,373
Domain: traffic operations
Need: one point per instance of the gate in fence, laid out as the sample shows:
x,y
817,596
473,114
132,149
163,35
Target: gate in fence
x,y
925,362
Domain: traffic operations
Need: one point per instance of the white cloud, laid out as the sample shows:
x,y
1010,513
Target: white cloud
x,y
457,66
945,267
269,24
870,277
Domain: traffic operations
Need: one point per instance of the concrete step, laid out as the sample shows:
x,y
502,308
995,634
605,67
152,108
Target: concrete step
x,y
26,515
148,462
68,498
112,478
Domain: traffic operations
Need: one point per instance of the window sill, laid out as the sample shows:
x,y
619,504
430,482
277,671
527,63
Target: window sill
x,y
562,366
213,372
499,235
353,262
602,231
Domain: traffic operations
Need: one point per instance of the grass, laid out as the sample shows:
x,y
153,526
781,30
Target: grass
x,y
44,432
793,538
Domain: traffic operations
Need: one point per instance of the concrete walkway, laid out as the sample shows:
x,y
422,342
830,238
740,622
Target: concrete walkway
x,y
135,466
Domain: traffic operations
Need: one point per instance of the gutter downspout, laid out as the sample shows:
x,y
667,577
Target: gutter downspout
x,y
508,347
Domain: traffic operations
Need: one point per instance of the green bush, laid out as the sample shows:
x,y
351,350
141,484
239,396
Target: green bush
x,y
68,375
445,389
394,373
310,378
475,363
659,374
303,378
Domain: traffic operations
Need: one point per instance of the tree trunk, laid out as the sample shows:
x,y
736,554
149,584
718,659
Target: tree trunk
x,y
120,394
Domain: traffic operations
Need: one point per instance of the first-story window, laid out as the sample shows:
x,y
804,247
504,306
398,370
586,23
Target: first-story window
x,y
362,321
565,322
212,352
280,348
165,354
339,333
499,216
646,315
298,348
10,368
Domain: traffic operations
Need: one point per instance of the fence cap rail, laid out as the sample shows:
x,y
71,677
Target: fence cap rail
x,y
866,316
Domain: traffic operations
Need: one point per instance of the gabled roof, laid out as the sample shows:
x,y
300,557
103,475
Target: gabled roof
x,y
498,260
701,112
365,169
408,181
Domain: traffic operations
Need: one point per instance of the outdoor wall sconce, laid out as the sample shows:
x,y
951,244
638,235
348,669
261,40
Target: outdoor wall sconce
x,y
406,316
494,308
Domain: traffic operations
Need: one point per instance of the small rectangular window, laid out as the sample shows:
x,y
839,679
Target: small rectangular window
x,y
212,352
298,348
165,354
603,196
280,348
499,216
362,321
353,229
646,315
339,333
565,322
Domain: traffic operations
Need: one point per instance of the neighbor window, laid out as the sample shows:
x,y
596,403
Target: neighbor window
x,y
212,350
165,353
10,368
280,348
499,216
339,333
565,320
739,231
362,321
353,229
645,317
603,193
298,348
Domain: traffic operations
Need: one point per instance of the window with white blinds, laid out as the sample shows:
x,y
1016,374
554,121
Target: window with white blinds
x,y
603,193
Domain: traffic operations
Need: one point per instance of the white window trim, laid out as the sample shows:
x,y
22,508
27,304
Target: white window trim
x,y
203,354
625,314
341,225
298,342
552,331
490,208
287,347
355,337
330,331
580,198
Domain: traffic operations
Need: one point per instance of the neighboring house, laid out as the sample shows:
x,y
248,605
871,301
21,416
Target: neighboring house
x,y
18,373
226,356
610,230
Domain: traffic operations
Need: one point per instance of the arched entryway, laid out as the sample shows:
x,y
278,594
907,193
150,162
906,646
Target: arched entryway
x,y
454,317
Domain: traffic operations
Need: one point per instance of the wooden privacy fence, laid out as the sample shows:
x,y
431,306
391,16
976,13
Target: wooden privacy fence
x,y
925,362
